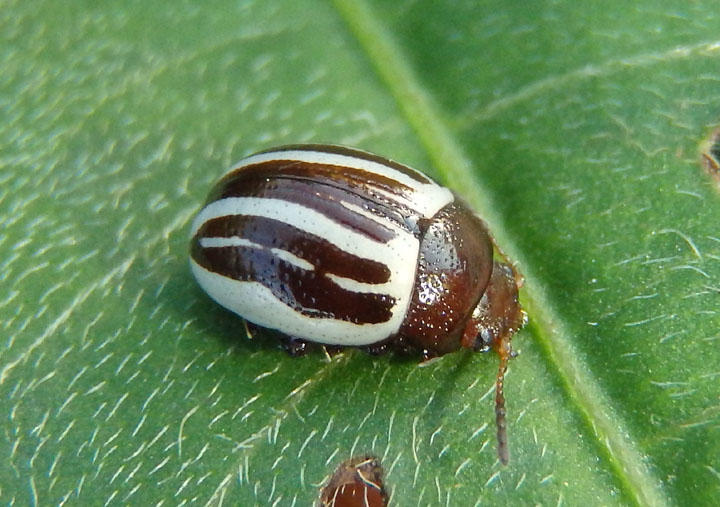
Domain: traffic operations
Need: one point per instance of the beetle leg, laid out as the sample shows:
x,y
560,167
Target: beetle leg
x,y
332,350
296,347
376,349
250,329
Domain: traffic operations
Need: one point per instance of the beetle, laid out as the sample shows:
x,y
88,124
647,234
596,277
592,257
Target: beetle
x,y
341,247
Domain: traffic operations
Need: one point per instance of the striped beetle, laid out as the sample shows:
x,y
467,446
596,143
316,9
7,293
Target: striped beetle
x,y
341,247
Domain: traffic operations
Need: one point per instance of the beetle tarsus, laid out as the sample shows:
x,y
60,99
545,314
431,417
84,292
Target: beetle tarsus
x,y
377,349
295,346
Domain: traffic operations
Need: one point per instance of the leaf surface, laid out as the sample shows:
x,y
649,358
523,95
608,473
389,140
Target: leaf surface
x,y
573,130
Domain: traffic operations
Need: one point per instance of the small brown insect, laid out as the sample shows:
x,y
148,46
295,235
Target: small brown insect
x,y
357,482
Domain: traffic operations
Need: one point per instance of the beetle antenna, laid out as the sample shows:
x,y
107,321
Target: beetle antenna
x,y
505,353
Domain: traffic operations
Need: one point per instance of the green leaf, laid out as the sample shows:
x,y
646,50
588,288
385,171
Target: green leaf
x,y
574,131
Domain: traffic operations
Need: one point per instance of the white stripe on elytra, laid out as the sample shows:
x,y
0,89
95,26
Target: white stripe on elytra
x,y
219,242
293,259
296,215
232,241
360,287
343,282
410,222
256,303
396,255
384,222
427,198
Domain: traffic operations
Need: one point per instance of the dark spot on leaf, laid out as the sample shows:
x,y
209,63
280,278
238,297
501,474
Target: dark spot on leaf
x,y
357,482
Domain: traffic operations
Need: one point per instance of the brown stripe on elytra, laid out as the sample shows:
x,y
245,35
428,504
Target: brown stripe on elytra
x,y
352,152
323,255
308,292
324,199
371,186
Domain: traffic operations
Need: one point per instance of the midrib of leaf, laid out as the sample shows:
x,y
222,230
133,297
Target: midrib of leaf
x,y
633,475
